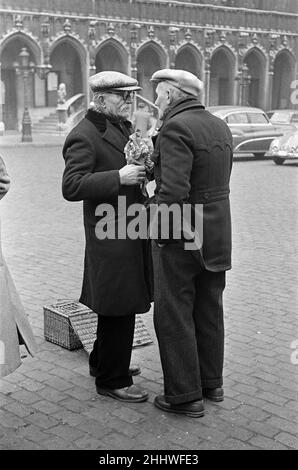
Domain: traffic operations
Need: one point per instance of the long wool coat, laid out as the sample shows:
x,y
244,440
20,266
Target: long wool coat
x,y
116,278
14,325
193,161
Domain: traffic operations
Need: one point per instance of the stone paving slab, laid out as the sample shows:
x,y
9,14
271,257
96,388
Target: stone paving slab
x,y
50,401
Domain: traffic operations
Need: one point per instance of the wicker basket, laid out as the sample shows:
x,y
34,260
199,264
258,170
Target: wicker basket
x,y
57,327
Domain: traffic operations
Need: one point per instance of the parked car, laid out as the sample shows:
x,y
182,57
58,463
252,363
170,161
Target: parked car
x,y
251,128
283,116
284,148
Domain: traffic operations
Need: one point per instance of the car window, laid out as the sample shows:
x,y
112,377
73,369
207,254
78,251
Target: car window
x,y
280,117
237,118
257,118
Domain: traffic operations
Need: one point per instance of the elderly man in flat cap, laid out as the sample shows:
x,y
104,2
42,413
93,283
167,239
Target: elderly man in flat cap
x,y
193,161
116,283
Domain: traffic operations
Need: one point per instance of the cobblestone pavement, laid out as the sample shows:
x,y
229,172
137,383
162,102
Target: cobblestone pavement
x,y
50,401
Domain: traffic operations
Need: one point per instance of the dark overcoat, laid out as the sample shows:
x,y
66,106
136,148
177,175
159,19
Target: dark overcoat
x,y
193,160
116,271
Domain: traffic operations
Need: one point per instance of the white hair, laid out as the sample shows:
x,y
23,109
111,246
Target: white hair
x,y
176,94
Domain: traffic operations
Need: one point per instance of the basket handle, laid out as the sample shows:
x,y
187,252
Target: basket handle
x,y
63,301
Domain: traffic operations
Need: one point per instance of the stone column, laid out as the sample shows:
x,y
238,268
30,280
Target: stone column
x,y
2,102
269,97
207,80
270,88
133,59
133,49
238,80
92,58
173,41
245,82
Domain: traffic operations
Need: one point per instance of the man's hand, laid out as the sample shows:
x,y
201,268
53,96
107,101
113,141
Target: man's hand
x,y
132,174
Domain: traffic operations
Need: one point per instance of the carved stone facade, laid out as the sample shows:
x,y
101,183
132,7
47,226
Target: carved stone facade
x,y
242,53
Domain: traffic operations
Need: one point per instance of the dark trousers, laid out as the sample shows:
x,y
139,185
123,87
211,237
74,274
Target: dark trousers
x,y
188,320
112,351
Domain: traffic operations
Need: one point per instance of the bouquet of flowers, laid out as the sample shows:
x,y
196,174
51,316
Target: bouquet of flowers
x,y
138,151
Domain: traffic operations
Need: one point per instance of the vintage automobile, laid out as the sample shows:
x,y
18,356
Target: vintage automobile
x,y
284,148
251,128
283,116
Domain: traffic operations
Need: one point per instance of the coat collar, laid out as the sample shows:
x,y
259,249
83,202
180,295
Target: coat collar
x,y
182,105
109,131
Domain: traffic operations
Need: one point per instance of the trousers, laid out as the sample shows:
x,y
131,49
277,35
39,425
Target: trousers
x,y
188,321
112,349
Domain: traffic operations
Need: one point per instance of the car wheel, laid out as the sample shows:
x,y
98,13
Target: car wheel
x,y
278,160
259,155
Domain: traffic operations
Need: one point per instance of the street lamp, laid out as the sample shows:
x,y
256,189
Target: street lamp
x,y
25,68
245,82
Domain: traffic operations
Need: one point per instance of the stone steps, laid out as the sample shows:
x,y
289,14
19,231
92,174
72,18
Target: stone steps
x,y
47,125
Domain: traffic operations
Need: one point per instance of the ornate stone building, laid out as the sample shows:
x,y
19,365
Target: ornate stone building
x,y
245,51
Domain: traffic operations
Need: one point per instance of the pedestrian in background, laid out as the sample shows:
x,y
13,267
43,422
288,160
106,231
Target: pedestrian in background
x,y
116,281
143,120
193,161
14,325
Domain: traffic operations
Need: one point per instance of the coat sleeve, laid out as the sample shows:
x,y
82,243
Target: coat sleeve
x,y
79,182
176,161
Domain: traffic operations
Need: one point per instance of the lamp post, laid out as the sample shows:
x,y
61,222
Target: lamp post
x,y
25,68
245,82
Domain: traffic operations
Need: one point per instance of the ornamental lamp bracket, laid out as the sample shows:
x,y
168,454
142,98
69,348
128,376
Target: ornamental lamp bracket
x,y
43,70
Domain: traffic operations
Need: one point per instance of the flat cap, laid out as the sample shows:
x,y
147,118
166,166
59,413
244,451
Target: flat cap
x,y
181,79
111,80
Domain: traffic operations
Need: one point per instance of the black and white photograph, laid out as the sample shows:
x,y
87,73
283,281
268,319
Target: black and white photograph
x,y
149,230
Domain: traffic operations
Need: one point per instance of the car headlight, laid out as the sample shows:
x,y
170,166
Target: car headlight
x,y
275,143
274,146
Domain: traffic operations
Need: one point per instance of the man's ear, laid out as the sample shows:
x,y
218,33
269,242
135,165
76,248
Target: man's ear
x,y
101,100
169,95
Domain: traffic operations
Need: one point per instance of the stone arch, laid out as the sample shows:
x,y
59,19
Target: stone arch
x,y
69,65
13,85
150,57
110,54
27,40
283,75
256,62
222,76
189,57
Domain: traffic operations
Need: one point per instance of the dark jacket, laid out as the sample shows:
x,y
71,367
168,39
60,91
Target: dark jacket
x,y
193,161
116,278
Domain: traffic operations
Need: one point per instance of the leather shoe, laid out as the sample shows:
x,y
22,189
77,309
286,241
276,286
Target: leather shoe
x,y
131,394
132,371
214,394
194,409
